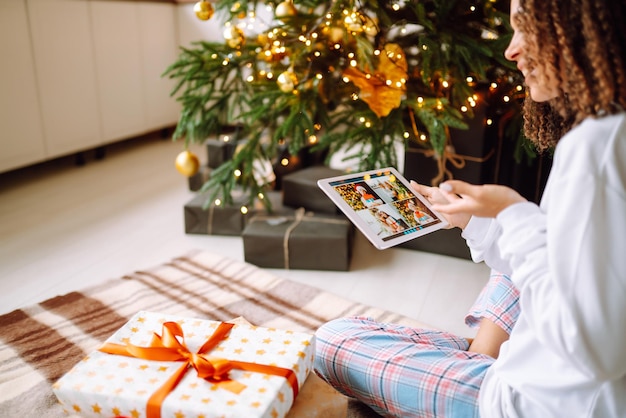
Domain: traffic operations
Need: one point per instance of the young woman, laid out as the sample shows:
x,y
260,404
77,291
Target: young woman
x,y
552,336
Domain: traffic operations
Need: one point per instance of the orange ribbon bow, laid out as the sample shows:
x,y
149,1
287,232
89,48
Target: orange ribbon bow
x,y
169,348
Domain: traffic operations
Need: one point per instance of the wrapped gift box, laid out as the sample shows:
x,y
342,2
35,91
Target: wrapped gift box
x,y
316,399
215,219
300,189
303,241
107,383
197,180
220,149
276,207
471,156
229,219
445,242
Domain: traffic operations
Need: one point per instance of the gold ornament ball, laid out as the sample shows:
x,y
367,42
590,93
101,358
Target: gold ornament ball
x,y
233,36
287,81
285,9
187,163
203,10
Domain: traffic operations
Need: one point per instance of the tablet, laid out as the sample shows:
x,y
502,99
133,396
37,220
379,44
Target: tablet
x,y
383,206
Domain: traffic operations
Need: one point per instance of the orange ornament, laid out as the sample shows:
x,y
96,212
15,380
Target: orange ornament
x,y
383,88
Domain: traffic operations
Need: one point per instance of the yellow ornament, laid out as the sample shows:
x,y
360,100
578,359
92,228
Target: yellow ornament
x,y
187,163
287,81
203,10
286,9
234,36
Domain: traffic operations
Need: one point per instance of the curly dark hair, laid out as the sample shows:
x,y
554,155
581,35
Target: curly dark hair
x,y
583,44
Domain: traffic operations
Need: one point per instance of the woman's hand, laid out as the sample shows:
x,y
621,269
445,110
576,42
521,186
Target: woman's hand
x,y
436,197
466,199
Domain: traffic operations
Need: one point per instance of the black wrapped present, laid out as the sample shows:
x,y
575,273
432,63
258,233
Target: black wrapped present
x,y
300,189
302,241
220,149
197,180
285,164
218,218
231,219
444,241
276,207
470,155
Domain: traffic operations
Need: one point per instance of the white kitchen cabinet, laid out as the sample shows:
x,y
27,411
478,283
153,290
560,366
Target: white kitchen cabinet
x,y
119,72
79,74
21,139
159,45
66,74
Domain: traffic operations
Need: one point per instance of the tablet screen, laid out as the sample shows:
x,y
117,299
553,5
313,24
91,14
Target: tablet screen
x,y
383,206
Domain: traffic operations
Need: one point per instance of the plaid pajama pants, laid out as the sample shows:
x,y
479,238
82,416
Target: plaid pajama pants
x,y
406,372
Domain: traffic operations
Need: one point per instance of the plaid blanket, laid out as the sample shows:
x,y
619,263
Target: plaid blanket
x,y
40,343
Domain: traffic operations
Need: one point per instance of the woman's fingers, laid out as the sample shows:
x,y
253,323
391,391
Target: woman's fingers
x,y
439,198
484,200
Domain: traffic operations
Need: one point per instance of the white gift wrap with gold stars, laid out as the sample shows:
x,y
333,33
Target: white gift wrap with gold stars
x,y
104,385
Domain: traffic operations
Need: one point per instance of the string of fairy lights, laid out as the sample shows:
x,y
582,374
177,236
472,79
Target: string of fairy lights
x,y
354,22
276,45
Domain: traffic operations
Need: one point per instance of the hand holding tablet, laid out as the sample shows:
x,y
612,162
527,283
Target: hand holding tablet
x,y
383,206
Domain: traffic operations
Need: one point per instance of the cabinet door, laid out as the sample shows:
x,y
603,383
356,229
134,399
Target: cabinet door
x,y
119,69
66,74
21,141
159,50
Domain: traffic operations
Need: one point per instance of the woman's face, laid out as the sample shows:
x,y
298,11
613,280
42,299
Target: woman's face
x,y
542,87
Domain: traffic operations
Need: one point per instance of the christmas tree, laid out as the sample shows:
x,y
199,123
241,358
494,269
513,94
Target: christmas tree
x,y
340,76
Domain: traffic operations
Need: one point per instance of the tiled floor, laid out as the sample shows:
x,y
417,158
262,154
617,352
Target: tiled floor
x,y
63,227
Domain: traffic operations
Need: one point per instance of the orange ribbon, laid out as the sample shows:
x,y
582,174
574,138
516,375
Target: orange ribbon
x,y
169,348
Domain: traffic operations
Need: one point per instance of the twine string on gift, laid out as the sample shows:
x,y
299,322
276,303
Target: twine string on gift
x,y
457,160
170,346
209,227
300,215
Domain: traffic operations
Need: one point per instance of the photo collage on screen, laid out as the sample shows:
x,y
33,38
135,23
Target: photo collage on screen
x,y
385,204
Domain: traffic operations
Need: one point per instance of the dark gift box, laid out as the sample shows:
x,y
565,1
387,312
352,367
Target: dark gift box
x,y
215,219
471,156
275,198
228,219
220,150
444,242
300,189
302,241
197,180
284,165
